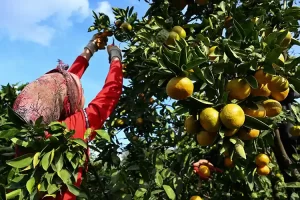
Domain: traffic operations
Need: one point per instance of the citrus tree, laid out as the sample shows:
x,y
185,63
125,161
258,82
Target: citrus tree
x,y
217,80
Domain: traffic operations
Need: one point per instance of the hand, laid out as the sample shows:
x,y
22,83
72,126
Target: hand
x,y
114,52
203,162
100,40
196,166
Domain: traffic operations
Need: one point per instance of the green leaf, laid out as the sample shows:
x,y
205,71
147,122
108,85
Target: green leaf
x,y
204,39
65,176
80,142
240,149
239,29
19,142
52,188
13,194
295,42
292,185
252,81
47,159
36,159
30,185
232,55
21,161
183,57
170,65
199,52
103,134
295,84
73,189
59,161
130,11
208,75
201,101
91,28
170,192
10,133
195,63
158,179
140,192
292,65
254,123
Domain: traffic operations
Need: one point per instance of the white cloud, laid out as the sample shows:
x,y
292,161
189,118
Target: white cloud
x,y
38,20
105,7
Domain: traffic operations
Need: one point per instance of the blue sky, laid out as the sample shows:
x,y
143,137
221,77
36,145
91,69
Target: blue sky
x,y
35,33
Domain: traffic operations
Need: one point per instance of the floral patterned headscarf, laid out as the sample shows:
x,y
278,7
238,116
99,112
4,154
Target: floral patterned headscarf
x,y
55,96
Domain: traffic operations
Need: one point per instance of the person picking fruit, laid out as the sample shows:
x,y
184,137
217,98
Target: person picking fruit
x,y
203,168
58,96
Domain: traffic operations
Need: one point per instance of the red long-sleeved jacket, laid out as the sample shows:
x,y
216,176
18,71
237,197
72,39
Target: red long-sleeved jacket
x,y
98,110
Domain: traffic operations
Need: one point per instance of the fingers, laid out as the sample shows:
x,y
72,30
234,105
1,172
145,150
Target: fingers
x,y
101,43
202,162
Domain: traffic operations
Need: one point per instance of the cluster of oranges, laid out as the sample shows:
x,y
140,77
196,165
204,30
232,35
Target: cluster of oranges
x,y
176,33
262,161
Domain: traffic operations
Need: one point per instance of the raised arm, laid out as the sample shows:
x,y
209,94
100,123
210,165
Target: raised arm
x,y
105,102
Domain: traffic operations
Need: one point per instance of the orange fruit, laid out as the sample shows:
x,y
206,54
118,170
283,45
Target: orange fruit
x,y
126,26
119,122
195,198
262,77
262,160
204,171
139,121
107,33
248,134
205,138
151,100
278,84
295,131
180,88
232,116
180,31
226,153
230,132
262,90
172,37
273,107
228,162
135,138
280,96
259,112
228,22
192,125
210,119
118,23
211,53
264,170
238,89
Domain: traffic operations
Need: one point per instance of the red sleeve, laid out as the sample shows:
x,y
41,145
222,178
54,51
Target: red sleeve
x,y
105,102
79,66
100,108
77,122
